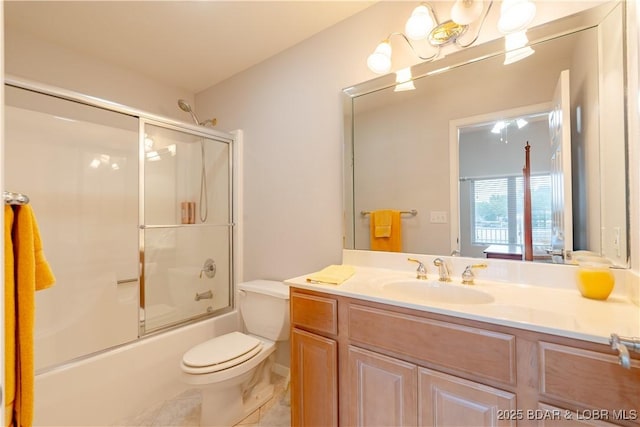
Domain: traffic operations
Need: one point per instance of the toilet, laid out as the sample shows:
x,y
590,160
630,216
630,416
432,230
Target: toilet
x,y
234,370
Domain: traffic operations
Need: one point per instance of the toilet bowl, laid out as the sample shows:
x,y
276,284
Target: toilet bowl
x,y
234,370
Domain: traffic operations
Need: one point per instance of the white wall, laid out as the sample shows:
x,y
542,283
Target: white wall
x,y
43,62
291,111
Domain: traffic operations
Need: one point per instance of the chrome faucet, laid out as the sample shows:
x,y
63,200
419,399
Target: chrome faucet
x,y
468,276
443,269
421,272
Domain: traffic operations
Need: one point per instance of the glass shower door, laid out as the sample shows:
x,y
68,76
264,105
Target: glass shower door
x,y
79,166
186,226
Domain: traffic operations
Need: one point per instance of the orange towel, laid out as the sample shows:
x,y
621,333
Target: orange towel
x,y
383,239
26,271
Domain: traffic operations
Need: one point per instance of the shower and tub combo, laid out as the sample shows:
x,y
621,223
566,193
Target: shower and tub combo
x,y
135,285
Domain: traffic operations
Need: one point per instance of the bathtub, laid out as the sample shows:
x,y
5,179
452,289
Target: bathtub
x,y
122,382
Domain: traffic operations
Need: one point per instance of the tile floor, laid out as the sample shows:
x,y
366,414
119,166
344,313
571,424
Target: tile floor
x,y
184,411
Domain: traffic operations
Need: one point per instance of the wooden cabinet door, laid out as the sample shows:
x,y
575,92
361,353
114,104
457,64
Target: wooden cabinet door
x,y
445,400
314,380
382,390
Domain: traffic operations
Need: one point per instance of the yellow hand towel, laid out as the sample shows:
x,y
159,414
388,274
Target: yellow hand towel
x,y
29,272
333,274
392,242
382,221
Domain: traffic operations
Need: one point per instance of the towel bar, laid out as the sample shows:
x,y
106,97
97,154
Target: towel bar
x,y
412,212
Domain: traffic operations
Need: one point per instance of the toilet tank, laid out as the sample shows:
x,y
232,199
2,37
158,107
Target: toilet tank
x,y
264,307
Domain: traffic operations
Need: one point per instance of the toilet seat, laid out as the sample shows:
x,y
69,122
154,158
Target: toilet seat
x,y
220,353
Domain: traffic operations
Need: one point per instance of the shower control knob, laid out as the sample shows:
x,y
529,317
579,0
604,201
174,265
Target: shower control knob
x,y
209,269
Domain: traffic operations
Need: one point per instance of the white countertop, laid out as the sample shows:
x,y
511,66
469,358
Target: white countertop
x,y
557,311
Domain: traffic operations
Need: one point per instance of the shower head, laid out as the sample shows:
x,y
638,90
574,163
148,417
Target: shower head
x,y
184,106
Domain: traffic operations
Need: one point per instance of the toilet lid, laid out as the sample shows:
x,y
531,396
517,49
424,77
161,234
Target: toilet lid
x,y
222,352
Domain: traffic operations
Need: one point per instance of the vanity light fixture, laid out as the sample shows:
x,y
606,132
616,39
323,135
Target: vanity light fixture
x,y
423,25
380,60
420,23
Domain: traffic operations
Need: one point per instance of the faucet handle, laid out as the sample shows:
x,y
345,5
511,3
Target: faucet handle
x,y
209,268
421,272
468,276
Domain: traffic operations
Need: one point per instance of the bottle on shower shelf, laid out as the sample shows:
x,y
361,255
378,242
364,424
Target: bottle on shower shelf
x,y
188,212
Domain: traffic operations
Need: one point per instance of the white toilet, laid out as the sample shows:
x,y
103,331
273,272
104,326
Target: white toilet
x,y
234,370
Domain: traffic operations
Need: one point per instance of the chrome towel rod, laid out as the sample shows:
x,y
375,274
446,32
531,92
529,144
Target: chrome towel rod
x,y
412,212
14,198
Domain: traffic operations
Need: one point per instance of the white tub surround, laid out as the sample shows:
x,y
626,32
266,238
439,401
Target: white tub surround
x,y
531,296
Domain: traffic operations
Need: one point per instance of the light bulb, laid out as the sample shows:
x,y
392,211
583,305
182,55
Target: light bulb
x,y
380,60
419,24
515,40
498,126
515,15
464,12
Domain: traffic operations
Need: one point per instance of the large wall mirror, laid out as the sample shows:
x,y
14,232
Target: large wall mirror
x,y
449,155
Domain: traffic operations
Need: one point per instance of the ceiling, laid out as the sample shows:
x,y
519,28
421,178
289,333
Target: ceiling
x,y
190,45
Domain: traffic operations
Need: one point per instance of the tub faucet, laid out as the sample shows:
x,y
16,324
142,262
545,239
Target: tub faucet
x,y
443,269
204,295
421,272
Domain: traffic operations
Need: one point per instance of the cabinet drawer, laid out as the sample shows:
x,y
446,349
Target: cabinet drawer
x,y
583,378
313,312
475,351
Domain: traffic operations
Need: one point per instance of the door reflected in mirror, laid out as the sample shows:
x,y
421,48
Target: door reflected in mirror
x,y
491,194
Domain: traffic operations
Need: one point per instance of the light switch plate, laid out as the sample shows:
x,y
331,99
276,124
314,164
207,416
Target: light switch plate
x,y
438,217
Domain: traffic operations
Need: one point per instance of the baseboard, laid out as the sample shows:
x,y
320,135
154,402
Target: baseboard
x,y
281,370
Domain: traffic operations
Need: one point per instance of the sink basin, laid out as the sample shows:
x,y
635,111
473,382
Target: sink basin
x,y
415,290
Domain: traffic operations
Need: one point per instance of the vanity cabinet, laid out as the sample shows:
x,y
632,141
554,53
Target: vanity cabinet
x,y
362,363
314,361
382,390
314,383
587,386
447,400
